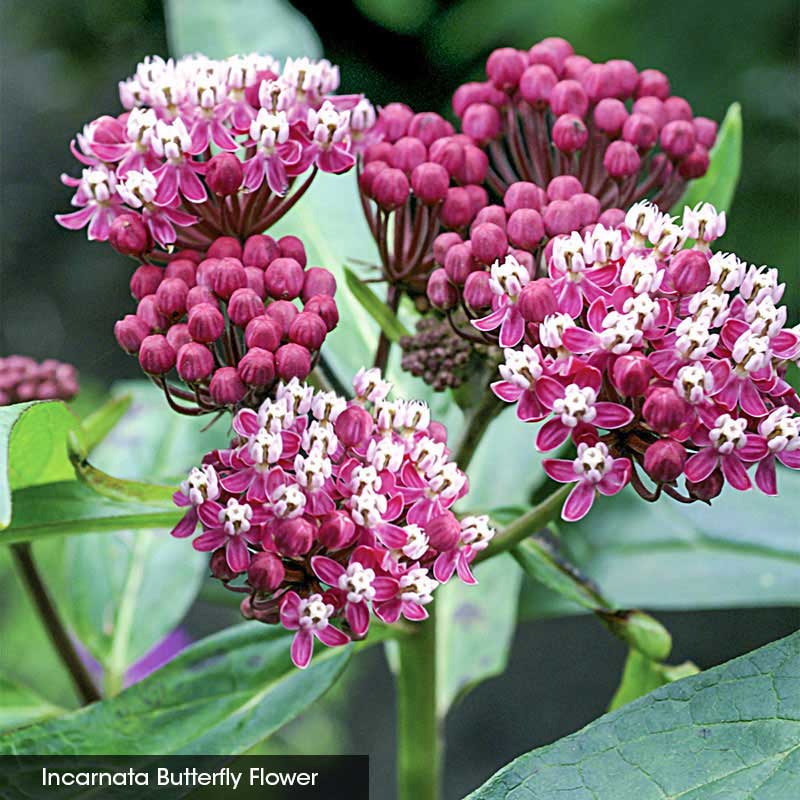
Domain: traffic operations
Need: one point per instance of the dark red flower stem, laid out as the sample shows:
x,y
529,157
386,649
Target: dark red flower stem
x,y
384,345
23,557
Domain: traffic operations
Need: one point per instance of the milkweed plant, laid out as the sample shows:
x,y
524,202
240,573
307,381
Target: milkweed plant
x,y
536,243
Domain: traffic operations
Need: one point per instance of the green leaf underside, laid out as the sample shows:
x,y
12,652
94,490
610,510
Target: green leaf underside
x,y
33,448
742,551
475,628
219,697
718,185
375,307
642,675
224,29
731,733
20,705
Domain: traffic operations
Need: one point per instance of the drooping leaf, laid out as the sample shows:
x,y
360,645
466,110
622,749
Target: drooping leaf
x,y
218,697
33,448
375,307
475,628
743,551
642,675
20,705
219,29
731,732
718,185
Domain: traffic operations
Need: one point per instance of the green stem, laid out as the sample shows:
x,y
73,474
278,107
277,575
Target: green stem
x,y
530,522
23,556
384,344
419,735
478,421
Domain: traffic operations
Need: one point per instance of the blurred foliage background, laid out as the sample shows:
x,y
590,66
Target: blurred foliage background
x,y
59,295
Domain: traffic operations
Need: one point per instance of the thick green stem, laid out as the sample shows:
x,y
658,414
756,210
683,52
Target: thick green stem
x,y
419,741
23,556
477,423
529,523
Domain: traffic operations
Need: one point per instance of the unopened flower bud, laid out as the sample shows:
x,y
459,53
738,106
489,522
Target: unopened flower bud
x,y
562,187
243,306
651,107
198,295
394,119
292,361
292,247
473,167
325,307
428,126
228,277
621,160
569,133
569,97
337,531
689,271
489,243
443,532
224,174
318,280
587,207
611,218
677,108
171,297
494,214
430,183
354,426
705,131
559,217
366,180
308,330
146,280
536,84
695,165
284,279
226,387
441,292
632,374
257,367
609,116
553,51
537,301
225,247
266,572
129,236
677,138
478,292
627,76
148,311
481,122
456,210
459,263
653,82
390,188
205,271
442,244
260,251
707,489
182,268
664,460
219,566
178,335
255,281
293,537
206,323
130,332
524,195
575,66
263,332
156,355
283,312
505,66
195,362
407,153
640,131
665,410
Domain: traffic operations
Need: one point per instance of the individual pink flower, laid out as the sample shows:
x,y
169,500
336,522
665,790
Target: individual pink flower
x,y
507,280
98,199
274,151
232,527
200,487
329,131
178,174
476,533
781,430
310,617
521,370
413,590
592,471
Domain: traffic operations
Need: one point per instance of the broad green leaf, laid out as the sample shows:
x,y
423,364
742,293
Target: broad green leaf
x,y
218,697
33,448
20,705
742,551
730,733
97,425
642,675
220,29
475,627
122,593
718,185
375,307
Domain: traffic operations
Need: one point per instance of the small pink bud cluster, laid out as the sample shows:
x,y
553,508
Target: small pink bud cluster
x,y
23,379
150,176
231,322
325,512
647,355
421,177
547,112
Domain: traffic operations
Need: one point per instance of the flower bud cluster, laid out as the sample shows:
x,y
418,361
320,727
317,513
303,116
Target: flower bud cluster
x,y
648,354
23,379
326,512
418,178
547,111
231,322
150,175
436,354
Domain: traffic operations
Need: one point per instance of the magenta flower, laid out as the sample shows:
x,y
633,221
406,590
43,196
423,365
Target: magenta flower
x,y
330,131
594,470
507,280
310,617
475,536
200,487
276,150
576,405
521,370
232,527
413,590
781,431
178,174
99,202
572,282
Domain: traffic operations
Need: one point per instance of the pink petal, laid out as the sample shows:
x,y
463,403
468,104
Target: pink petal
x,y
506,391
578,503
237,482
570,300
210,540
755,448
735,473
385,588
728,395
332,636
588,376
245,423
579,340
76,219
551,435
254,172
237,554
191,186
700,465
559,469
335,160
209,513
392,536
445,565
414,612
750,399
665,363
357,615
611,415
548,390
766,478
616,478
790,458
327,570
388,612
167,176
276,176
302,648
513,328
290,610
731,331
596,314
186,526
464,572
529,408
491,321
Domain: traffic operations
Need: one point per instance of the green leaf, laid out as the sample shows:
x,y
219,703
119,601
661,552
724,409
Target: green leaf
x,y
375,307
20,705
407,17
718,185
97,425
33,448
730,733
220,696
642,675
743,551
475,629
222,28
121,594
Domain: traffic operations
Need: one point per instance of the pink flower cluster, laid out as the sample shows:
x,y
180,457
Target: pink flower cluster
x,y
23,379
152,165
325,511
648,354
418,177
547,112
228,322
